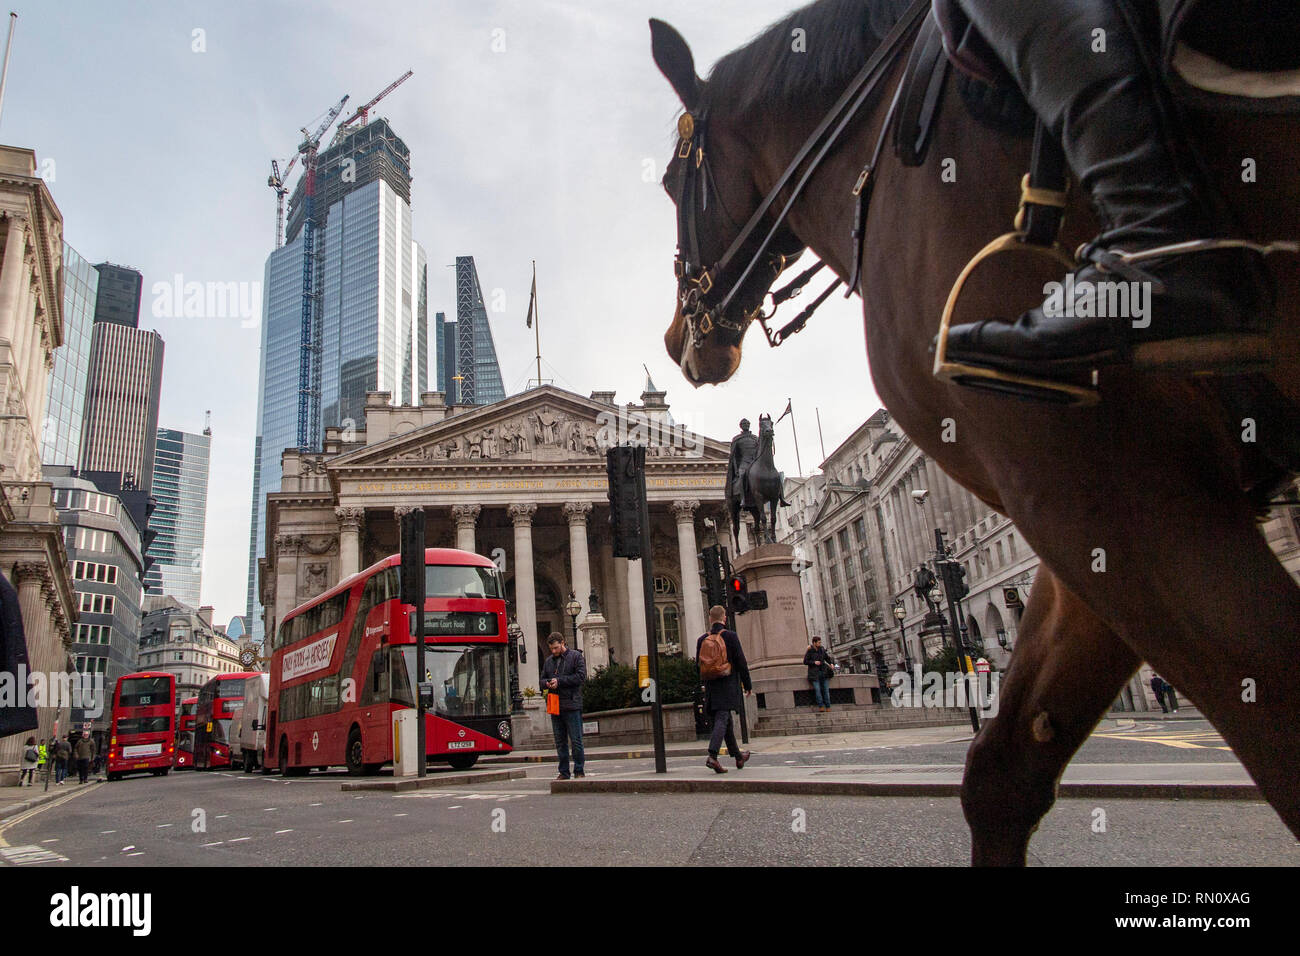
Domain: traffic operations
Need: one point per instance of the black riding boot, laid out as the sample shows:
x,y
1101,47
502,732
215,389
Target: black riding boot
x,y
1203,311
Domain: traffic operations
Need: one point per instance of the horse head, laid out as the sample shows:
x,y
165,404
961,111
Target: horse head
x,y
711,181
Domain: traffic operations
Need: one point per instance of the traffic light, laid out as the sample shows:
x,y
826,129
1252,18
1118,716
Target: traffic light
x,y
711,572
954,580
625,469
737,594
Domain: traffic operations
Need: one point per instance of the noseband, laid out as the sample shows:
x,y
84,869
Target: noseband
x,y
697,284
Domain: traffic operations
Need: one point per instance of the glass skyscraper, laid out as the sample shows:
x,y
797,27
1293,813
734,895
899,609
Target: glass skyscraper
x,y
477,376
372,311
66,406
180,486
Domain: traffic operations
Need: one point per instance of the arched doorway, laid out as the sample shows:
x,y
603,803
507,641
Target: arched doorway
x,y
550,617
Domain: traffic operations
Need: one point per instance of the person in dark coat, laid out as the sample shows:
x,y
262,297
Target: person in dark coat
x,y
1158,688
18,716
722,695
84,752
821,667
563,674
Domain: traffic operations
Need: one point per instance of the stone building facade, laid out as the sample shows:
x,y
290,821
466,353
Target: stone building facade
x,y
181,640
521,481
32,553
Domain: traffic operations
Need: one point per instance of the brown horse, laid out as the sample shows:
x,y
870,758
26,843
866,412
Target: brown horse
x,y
1135,505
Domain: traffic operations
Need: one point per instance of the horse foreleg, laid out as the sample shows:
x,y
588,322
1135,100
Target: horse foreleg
x,y
1067,670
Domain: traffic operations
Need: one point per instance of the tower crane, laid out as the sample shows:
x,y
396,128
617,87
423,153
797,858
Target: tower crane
x,y
364,112
276,182
308,347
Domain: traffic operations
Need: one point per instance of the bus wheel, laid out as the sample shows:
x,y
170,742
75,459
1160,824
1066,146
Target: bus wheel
x,y
262,764
462,761
113,777
355,752
285,769
164,771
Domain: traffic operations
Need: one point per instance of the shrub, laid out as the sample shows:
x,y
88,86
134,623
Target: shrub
x,y
615,687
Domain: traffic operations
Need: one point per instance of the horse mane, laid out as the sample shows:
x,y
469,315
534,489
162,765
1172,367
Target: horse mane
x,y
838,37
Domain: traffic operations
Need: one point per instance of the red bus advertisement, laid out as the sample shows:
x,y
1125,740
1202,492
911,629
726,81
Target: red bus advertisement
x,y
143,731
185,734
344,663
218,701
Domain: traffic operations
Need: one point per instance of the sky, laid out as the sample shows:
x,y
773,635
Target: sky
x,y
538,130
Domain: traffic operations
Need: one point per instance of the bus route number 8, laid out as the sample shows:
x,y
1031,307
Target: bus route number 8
x,y
482,623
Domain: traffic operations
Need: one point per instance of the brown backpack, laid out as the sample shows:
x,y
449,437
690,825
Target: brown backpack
x,y
713,657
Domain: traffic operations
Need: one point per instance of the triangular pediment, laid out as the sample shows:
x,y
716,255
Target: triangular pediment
x,y
545,424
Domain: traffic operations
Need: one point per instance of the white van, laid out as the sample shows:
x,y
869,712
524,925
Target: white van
x,y
248,729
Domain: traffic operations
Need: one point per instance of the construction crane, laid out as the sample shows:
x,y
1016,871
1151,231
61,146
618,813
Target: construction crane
x,y
308,397
364,112
276,182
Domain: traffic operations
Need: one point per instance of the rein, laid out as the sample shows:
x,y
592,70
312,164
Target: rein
x,y
696,283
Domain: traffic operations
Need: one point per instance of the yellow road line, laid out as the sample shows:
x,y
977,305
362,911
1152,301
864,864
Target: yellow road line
x,y
27,814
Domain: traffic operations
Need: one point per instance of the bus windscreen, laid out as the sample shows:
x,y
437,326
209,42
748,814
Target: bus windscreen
x,y
145,692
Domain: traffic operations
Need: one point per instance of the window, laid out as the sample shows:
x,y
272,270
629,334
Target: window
x,y
97,604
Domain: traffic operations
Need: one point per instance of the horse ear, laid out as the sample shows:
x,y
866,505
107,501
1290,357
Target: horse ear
x,y
674,59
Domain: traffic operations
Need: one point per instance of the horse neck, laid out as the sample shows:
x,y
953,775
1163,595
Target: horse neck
x,y
822,217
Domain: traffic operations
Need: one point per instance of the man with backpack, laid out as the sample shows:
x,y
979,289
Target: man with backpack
x,y
723,670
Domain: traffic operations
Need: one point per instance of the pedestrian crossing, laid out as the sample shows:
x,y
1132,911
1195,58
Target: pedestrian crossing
x,y
29,855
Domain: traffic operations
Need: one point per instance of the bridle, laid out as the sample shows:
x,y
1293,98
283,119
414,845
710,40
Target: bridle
x,y
703,307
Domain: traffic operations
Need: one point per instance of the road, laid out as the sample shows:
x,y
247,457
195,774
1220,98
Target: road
x,y
232,819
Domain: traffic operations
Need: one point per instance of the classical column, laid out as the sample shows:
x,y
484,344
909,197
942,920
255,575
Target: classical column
x,y
466,517
576,512
525,590
636,611
349,540
287,548
687,552
11,276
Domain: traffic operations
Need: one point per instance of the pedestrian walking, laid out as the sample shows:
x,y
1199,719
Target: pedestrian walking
x,y
42,753
563,674
821,668
1158,686
84,751
723,670
62,754
1170,696
31,757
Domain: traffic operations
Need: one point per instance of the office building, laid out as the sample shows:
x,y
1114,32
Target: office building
x,y
121,420
477,373
180,490
370,311
66,400
117,297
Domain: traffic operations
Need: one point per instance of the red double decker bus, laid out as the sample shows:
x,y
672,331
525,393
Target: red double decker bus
x,y
344,663
143,731
218,701
185,734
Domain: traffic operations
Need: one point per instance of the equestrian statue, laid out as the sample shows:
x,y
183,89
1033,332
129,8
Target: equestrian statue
x,y
753,481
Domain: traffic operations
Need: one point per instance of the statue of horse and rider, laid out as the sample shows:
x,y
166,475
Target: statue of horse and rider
x,y
753,481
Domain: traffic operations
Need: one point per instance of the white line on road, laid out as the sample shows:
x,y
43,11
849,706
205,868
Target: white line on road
x,y
131,847
218,843
278,832
106,832
136,853
163,826
400,814
313,804
54,840
269,809
239,839
342,821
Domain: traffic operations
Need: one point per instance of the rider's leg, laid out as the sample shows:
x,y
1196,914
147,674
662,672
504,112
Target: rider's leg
x,y
1081,66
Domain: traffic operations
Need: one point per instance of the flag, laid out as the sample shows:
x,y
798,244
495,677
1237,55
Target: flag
x,y
789,410
532,297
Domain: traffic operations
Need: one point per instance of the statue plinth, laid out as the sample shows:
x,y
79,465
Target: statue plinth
x,y
775,639
595,641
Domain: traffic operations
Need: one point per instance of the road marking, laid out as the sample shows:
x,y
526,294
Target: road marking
x,y
54,840
28,855
269,809
218,843
401,814
313,804
442,794
278,832
239,839
28,814
456,807
106,832
131,847
1195,740
342,821
221,816
136,853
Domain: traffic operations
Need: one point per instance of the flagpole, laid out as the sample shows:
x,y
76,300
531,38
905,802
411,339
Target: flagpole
x,y
537,326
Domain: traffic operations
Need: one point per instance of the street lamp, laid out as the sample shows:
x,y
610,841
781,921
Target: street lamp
x,y
900,612
515,634
574,608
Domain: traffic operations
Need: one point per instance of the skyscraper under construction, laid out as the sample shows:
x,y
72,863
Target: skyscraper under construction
x,y
370,318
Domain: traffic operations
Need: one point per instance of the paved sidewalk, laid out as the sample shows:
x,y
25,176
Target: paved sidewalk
x,y
1207,781
851,740
16,800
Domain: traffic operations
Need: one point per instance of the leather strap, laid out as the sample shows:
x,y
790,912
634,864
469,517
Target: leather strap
x,y
923,80
1045,187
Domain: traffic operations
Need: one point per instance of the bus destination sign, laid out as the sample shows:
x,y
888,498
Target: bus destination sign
x,y
457,623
